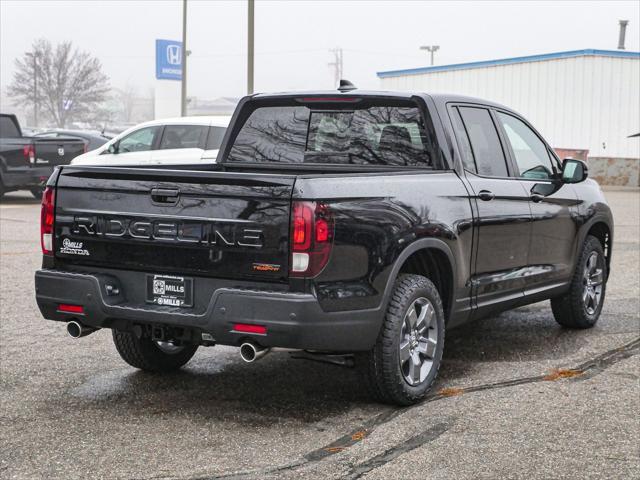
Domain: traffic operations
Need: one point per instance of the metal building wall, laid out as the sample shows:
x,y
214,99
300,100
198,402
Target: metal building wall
x,y
585,102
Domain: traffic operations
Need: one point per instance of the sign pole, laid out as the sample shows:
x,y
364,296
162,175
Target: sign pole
x,y
250,48
183,97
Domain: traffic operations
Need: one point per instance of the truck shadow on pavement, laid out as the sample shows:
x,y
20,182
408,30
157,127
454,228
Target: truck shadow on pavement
x,y
522,335
217,385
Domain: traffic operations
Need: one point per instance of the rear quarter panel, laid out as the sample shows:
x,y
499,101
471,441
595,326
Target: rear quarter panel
x,y
379,216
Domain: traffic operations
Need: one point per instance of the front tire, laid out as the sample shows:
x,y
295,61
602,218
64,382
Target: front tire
x,y
581,306
149,355
404,363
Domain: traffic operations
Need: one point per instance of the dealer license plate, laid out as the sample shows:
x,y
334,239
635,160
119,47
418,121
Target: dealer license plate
x,y
169,290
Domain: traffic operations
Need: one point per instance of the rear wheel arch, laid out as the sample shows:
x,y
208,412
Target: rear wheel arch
x,y
431,258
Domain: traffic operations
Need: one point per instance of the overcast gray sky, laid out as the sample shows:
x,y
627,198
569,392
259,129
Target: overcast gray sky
x,y
293,38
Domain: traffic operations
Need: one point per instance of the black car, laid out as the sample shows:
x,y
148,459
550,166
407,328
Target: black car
x,y
350,226
91,139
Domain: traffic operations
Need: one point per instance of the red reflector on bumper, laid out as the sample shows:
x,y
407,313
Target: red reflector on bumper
x,y
70,308
248,328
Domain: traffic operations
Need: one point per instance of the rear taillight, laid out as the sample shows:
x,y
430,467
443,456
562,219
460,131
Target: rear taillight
x,y
46,220
29,153
311,238
86,147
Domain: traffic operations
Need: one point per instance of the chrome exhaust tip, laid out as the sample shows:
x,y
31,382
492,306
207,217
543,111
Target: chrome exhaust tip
x,y
250,352
77,330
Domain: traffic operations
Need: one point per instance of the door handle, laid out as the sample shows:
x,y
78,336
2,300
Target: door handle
x,y
486,195
537,198
165,195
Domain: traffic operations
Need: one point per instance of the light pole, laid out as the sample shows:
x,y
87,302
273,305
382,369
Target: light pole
x,y
183,91
34,56
431,49
337,65
623,30
250,6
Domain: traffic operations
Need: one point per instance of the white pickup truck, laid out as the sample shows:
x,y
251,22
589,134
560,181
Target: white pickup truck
x,y
170,141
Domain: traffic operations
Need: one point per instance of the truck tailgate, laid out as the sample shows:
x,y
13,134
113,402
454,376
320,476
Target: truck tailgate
x,y
57,151
225,225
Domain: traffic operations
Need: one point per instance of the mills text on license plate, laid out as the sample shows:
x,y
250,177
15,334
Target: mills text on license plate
x,y
169,290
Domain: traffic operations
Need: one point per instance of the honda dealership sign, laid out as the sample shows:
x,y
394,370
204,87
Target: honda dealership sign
x,y
168,60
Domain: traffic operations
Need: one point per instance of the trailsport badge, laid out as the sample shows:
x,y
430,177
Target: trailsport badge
x,y
69,247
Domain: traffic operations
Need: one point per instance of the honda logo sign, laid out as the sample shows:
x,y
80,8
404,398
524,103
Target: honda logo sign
x,y
168,60
173,54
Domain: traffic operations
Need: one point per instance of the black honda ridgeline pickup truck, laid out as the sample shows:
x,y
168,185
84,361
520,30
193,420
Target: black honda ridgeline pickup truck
x,y
352,227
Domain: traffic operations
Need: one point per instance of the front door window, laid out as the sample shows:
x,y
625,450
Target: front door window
x,y
530,153
138,141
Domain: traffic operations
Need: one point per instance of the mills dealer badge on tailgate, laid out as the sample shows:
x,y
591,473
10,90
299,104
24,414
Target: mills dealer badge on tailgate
x,y
69,247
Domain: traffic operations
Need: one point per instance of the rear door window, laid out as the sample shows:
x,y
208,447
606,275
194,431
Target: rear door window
x,y
465,147
486,148
392,135
183,136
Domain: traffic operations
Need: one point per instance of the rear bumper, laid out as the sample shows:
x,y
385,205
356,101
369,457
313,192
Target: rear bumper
x,y
26,178
293,320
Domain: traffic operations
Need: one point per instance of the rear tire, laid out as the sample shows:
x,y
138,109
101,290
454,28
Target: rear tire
x,y
404,363
146,354
581,306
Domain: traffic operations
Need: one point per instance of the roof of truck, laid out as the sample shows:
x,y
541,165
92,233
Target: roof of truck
x,y
334,94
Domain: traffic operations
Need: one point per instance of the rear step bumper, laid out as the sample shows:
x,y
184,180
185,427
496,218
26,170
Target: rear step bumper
x,y
26,177
292,320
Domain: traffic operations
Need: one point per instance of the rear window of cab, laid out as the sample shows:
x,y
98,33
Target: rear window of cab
x,y
393,134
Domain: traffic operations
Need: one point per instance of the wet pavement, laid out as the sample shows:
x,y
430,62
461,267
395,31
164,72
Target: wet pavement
x,y
517,396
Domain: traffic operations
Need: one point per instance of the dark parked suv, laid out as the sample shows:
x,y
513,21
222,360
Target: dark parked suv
x,y
349,226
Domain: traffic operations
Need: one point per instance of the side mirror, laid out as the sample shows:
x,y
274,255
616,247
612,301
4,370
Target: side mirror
x,y
574,171
113,148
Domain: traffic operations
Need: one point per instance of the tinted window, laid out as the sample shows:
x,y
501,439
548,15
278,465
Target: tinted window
x,y
216,134
183,136
485,143
377,135
529,151
138,141
8,129
465,147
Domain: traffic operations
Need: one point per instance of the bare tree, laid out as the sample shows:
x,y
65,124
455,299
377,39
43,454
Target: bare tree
x,y
64,84
126,98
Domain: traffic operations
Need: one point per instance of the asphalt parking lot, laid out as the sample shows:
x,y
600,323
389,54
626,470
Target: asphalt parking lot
x,y
517,397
